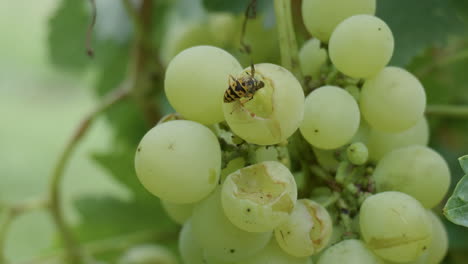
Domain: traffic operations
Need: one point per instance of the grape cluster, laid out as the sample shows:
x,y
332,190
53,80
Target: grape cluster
x,y
236,174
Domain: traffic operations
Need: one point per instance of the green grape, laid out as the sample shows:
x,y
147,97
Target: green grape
x,y
196,80
167,167
395,226
179,213
331,117
273,254
381,143
190,250
275,111
148,254
361,46
260,197
307,231
220,239
322,16
326,158
357,153
222,27
415,170
354,91
312,58
351,251
266,153
393,101
362,135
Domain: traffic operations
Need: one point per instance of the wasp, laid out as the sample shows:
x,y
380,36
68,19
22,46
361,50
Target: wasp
x,y
244,87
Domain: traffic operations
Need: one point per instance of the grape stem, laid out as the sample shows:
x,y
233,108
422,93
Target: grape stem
x,y
287,38
454,111
74,253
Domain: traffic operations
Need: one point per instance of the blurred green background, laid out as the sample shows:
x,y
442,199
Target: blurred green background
x,y
47,85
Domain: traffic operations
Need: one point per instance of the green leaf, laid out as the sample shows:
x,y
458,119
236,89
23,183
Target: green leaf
x,y
104,217
238,6
419,24
464,163
67,32
456,209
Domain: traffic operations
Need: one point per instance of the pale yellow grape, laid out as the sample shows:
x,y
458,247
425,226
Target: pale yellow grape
x,y
190,249
351,251
220,239
331,117
312,57
148,254
260,197
395,226
381,143
276,111
306,231
179,213
273,254
322,16
416,170
179,161
439,245
196,80
393,101
361,46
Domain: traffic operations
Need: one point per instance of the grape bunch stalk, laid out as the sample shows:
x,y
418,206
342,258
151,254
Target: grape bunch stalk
x,y
331,168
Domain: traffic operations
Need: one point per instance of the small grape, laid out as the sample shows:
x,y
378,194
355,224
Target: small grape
x,y
322,16
393,100
361,46
395,226
349,251
312,58
179,213
357,153
307,231
274,113
196,80
415,170
381,143
167,167
260,197
219,238
148,254
354,91
331,117
273,254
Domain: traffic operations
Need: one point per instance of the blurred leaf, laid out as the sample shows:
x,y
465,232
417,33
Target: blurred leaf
x,y
456,209
418,24
104,217
67,33
464,163
238,6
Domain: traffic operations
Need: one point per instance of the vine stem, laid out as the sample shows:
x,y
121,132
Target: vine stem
x,y
456,111
74,254
287,37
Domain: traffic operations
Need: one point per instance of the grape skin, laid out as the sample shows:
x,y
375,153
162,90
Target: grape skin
x,y
312,58
179,213
219,238
147,253
189,247
306,231
395,226
350,251
361,46
166,166
273,254
322,16
381,143
393,101
331,117
196,80
260,197
415,170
